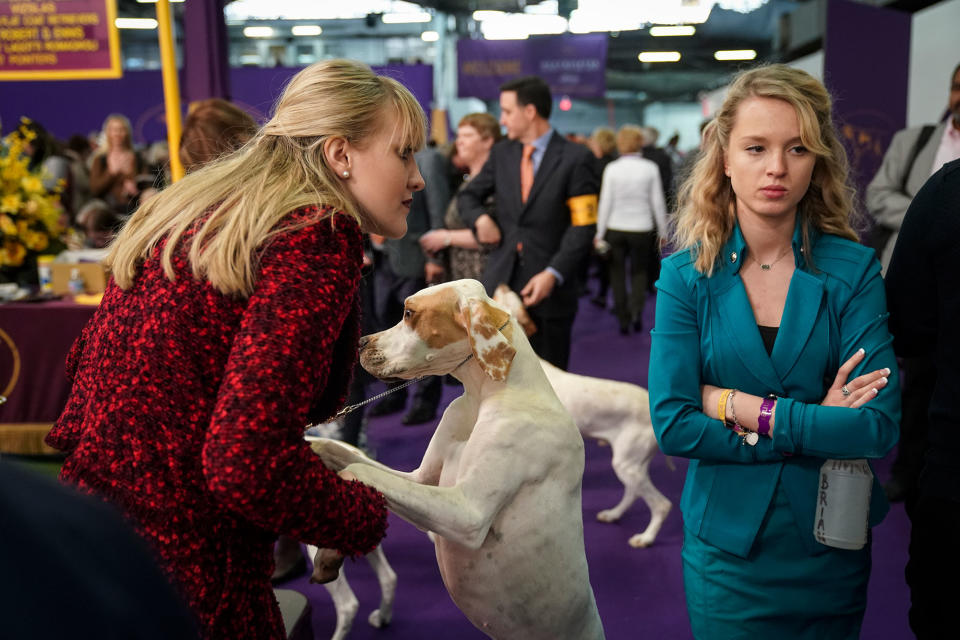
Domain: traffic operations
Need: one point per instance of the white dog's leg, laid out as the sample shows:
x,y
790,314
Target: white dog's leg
x,y
344,600
387,578
658,504
625,473
631,463
444,510
337,455
633,447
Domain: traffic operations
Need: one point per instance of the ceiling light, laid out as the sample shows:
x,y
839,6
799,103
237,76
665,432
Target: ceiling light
x,y
135,23
659,56
517,26
677,30
306,30
406,18
429,36
737,54
258,32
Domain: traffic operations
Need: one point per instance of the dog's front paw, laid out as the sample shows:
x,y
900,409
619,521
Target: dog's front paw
x,y
335,454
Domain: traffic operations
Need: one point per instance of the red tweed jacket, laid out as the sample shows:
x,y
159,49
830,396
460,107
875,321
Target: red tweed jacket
x,y
187,411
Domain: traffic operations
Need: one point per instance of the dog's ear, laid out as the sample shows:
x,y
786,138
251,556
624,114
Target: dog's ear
x,y
493,351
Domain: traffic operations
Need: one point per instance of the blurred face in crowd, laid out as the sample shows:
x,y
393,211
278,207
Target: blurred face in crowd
x,y
116,135
383,177
472,148
517,119
768,166
955,99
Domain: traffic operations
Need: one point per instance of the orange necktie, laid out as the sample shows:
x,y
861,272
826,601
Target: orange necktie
x,y
526,172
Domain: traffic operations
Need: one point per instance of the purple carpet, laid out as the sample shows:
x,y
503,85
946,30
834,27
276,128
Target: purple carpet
x,y
639,591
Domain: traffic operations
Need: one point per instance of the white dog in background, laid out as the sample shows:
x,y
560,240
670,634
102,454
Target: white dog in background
x,y
500,481
613,411
345,601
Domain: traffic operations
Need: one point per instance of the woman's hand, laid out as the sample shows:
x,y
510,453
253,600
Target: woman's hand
x,y
488,232
858,391
433,241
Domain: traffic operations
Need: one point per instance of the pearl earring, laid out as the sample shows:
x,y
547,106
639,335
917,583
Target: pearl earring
x,y
346,174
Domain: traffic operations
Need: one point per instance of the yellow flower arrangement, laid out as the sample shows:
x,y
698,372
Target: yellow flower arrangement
x,y
29,213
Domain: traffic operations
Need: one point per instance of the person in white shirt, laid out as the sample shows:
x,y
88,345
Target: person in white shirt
x,y
632,206
913,156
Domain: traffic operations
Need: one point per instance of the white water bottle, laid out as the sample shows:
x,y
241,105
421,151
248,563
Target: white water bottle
x,y
843,504
75,284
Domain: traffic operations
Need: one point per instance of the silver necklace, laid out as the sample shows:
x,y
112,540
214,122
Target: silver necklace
x,y
768,266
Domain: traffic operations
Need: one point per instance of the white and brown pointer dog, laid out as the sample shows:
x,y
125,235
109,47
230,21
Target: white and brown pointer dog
x,y
615,412
500,481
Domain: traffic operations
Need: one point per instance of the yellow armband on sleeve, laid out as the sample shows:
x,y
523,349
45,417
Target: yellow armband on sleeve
x,y
583,210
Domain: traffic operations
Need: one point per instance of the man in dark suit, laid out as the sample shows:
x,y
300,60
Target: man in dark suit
x,y
401,269
545,189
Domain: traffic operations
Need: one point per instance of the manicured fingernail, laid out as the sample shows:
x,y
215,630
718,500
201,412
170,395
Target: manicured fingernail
x,y
886,371
883,380
875,392
861,351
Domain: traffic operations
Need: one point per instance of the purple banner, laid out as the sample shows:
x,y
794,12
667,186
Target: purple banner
x,y
573,65
63,40
870,99
139,96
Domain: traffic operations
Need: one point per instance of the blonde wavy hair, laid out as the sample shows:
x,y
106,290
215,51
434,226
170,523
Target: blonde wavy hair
x,y
706,204
605,140
237,202
629,139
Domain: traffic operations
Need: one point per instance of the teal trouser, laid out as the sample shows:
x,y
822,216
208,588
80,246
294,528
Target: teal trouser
x,y
779,591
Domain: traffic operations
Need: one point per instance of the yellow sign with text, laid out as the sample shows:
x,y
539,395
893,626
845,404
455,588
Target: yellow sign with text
x,y
59,40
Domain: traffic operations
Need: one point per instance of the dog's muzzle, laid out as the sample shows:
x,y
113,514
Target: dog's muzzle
x,y
372,359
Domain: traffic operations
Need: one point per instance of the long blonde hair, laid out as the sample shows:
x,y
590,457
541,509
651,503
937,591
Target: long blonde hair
x,y
104,142
237,202
706,204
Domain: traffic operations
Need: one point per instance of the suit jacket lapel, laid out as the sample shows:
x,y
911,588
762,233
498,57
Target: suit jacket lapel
x,y
799,318
550,159
740,327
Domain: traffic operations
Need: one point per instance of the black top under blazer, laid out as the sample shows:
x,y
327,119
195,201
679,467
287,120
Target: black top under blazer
x,y
542,224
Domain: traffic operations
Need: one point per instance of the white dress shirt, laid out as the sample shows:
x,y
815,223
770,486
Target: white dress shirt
x,y
949,149
631,197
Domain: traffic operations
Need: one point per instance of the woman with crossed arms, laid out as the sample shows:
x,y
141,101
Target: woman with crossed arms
x,y
770,354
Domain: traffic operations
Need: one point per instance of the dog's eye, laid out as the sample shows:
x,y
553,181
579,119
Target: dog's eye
x,y
407,314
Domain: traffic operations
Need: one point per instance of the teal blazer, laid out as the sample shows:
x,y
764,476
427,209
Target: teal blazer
x,y
706,333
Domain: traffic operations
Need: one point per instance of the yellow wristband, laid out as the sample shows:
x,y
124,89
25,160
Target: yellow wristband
x,y
722,405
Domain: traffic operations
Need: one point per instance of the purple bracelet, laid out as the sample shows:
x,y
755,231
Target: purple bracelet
x,y
766,412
